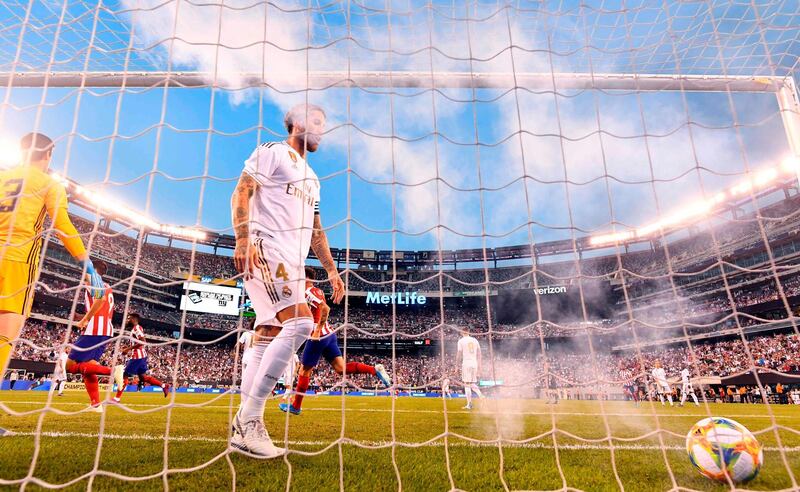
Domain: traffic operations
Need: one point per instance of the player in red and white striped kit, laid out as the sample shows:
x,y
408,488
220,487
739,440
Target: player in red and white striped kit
x,y
137,365
324,343
89,347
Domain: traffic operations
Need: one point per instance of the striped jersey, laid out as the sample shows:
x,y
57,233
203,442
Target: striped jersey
x,y
100,324
139,351
628,378
316,299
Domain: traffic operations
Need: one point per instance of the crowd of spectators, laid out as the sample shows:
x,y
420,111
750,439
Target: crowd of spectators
x,y
201,363
675,308
160,260
159,303
706,298
713,242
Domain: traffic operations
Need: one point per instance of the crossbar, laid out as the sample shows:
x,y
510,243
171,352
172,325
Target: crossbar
x,y
401,79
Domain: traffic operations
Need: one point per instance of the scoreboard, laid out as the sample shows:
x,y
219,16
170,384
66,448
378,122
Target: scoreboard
x,y
210,298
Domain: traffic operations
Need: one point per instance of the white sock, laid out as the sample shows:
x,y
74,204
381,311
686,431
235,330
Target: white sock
x,y
694,397
468,393
669,397
683,398
661,397
477,391
276,356
249,371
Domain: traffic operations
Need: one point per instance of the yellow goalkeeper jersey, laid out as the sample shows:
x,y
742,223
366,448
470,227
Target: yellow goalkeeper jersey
x,y
26,195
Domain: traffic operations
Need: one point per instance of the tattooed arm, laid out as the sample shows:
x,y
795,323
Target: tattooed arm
x,y
320,247
245,256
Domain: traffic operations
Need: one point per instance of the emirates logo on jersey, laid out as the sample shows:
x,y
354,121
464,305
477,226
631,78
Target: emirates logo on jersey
x,y
287,292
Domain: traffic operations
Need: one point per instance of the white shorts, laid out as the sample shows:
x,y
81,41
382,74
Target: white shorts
x,y
277,285
288,375
247,356
469,374
59,376
664,389
687,388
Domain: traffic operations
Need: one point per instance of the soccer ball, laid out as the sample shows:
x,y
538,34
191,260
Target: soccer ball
x,y
718,446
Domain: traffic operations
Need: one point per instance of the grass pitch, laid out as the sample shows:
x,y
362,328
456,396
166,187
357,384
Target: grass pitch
x,y
377,443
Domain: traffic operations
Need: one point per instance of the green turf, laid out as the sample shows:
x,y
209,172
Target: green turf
x,y
134,445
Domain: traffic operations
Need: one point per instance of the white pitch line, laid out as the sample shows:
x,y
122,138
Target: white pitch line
x,y
195,406
455,442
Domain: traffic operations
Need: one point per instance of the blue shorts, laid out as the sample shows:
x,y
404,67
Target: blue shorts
x,y
91,351
327,347
135,367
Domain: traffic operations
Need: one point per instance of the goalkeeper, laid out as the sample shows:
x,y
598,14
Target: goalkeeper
x,y
27,192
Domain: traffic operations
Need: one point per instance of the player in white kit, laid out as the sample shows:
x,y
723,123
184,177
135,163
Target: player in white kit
x,y
288,376
246,341
469,354
275,212
687,388
60,373
446,388
662,385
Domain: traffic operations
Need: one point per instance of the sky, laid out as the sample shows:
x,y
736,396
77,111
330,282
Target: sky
x,y
409,168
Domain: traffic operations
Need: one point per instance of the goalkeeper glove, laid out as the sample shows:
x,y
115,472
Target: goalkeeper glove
x,y
95,280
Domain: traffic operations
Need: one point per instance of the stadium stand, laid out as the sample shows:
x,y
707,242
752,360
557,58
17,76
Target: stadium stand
x,y
671,290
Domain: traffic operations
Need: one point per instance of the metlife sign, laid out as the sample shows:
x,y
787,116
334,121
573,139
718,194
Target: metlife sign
x,y
399,298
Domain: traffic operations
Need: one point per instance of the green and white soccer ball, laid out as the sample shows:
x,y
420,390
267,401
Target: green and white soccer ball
x,y
722,449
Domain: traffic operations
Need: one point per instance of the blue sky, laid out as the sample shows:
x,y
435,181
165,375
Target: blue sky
x,y
660,150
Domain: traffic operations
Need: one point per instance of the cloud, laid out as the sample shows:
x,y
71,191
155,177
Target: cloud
x,y
643,137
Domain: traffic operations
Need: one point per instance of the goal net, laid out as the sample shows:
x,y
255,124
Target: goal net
x,y
592,190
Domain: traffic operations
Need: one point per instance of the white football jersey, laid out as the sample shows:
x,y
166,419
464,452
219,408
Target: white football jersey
x,y
284,204
470,351
60,371
660,375
685,376
288,374
246,340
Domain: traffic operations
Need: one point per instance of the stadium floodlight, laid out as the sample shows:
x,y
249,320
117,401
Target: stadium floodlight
x,y
791,164
697,210
114,208
613,238
184,232
9,153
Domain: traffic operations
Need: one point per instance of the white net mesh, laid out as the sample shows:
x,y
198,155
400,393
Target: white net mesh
x,y
585,187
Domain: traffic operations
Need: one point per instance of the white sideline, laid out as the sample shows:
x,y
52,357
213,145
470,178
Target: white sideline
x,y
454,442
643,413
